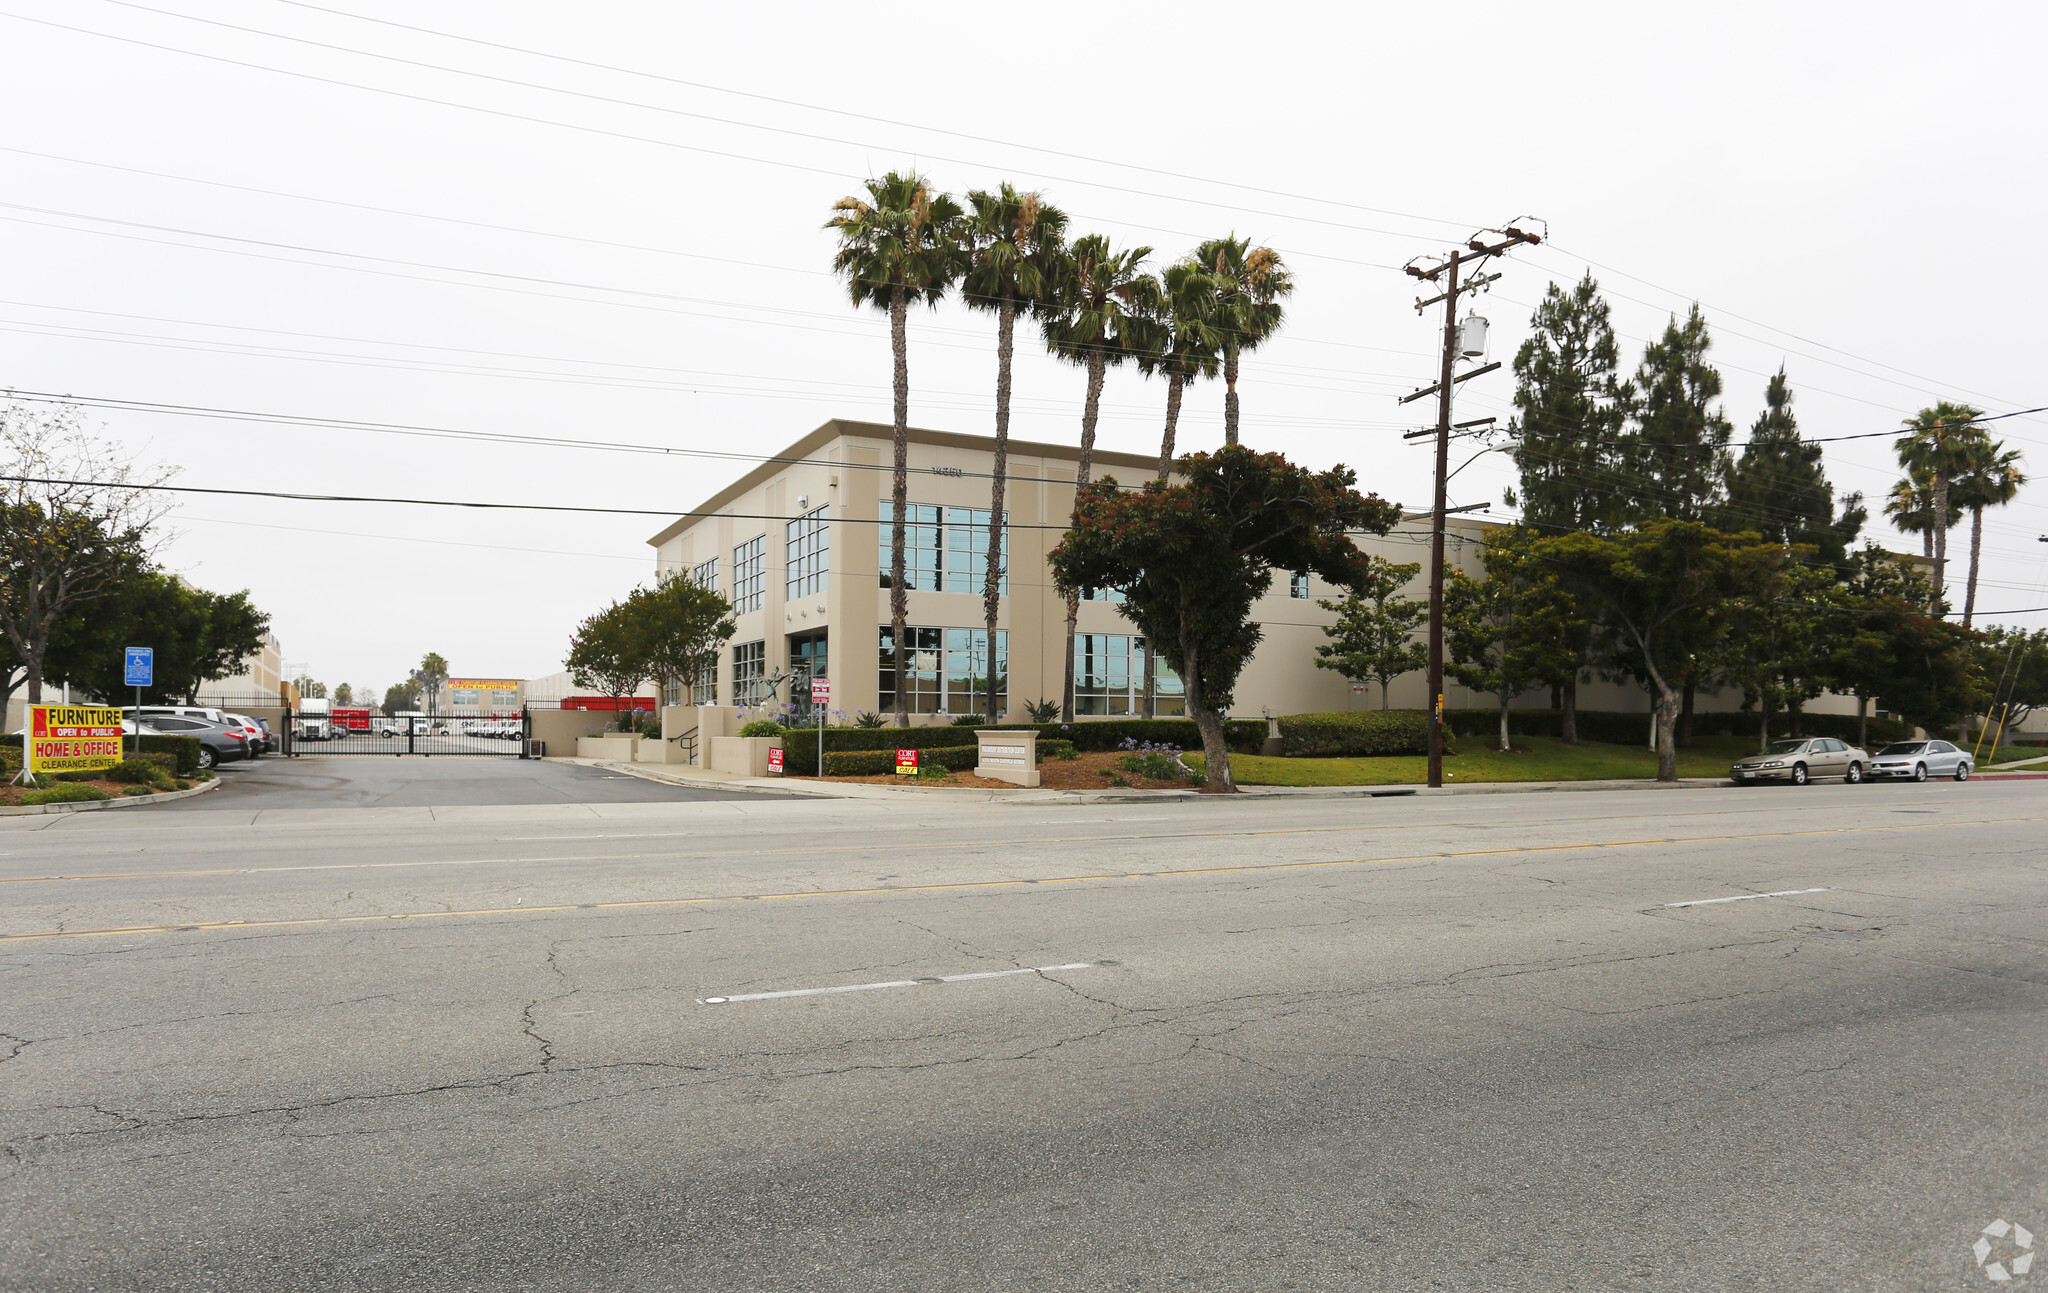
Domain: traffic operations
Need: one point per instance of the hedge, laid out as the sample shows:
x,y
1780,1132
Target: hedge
x,y
954,758
1355,733
1634,729
183,749
800,745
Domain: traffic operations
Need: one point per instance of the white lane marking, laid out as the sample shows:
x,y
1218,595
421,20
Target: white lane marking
x,y
1745,897
895,983
654,835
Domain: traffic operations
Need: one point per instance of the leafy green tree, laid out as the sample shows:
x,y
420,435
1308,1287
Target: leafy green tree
x,y
401,698
1679,451
310,688
1775,646
344,694
1991,477
1653,586
1569,414
898,247
1374,639
1012,243
2015,662
1193,557
681,625
1093,320
75,522
1506,632
608,654
1250,284
1939,444
1780,489
431,676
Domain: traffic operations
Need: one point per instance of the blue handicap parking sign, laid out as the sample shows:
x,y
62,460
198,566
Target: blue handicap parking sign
x,y
138,666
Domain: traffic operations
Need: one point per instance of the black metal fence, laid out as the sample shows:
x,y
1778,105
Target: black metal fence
x,y
467,736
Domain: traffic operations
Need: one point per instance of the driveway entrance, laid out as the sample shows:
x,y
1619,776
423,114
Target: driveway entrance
x,y
312,782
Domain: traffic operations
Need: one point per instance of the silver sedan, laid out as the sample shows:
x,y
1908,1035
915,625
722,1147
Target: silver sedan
x,y
1801,761
1919,760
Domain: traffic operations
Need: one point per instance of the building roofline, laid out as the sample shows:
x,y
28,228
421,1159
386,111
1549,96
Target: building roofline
x,y
847,428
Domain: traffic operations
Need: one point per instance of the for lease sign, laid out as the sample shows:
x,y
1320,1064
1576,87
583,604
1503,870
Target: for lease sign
x,y
73,738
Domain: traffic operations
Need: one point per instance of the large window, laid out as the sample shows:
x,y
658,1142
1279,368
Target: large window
x,y
808,659
949,670
749,574
945,549
705,575
749,661
806,554
1297,587
1102,595
1109,677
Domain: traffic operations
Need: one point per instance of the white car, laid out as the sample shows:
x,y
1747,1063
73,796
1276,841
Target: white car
x,y
1919,760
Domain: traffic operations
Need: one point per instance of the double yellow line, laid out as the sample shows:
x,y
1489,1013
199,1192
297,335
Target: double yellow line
x,y
965,885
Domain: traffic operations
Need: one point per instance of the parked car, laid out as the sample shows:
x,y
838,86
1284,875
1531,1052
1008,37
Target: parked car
x,y
218,742
150,713
250,728
1919,760
1802,761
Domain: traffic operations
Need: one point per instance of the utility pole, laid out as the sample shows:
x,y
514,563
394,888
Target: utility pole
x,y
1476,249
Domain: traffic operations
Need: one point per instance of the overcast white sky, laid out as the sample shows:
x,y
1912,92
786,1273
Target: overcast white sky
x,y
1857,185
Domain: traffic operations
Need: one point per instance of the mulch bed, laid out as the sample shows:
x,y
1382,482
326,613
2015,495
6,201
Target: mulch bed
x,y
10,796
1083,772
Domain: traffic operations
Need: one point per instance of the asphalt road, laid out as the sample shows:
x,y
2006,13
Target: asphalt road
x,y
1459,1043
273,783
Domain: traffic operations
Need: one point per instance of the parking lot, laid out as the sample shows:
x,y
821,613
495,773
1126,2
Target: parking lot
x,y
368,782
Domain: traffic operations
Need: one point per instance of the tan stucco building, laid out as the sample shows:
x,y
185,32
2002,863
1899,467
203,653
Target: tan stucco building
x,y
799,547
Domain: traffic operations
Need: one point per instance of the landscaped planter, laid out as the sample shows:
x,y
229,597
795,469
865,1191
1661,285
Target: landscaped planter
x,y
617,746
745,755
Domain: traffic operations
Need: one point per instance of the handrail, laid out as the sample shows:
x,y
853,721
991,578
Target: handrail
x,y
687,743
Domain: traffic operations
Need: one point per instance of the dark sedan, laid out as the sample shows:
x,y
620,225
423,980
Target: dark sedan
x,y
218,742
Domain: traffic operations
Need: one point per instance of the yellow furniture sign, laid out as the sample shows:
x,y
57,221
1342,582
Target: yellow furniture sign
x,y
72,738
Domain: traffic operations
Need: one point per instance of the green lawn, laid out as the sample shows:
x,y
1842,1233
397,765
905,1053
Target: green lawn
x,y
1543,759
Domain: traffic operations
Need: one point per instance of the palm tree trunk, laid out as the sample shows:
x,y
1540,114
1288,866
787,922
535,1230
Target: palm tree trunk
x,y
1940,533
991,599
1176,382
1230,395
899,493
1976,557
1098,365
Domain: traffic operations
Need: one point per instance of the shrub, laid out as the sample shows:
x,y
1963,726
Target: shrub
x,y
954,758
761,727
970,720
71,794
1354,734
1634,729
144,771
1042,711
181,784
867,719
140,790
1243,735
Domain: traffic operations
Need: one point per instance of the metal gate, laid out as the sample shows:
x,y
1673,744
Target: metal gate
x,y
427,735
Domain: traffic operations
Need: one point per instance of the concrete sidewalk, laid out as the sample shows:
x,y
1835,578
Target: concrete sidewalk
x,y
705,778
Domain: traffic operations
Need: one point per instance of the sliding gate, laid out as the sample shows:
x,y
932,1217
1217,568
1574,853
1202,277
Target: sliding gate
x,y
504,736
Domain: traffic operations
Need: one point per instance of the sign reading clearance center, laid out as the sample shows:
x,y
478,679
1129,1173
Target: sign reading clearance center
x,y
73,738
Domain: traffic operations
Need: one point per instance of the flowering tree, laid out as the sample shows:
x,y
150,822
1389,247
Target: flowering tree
x,y
1192,557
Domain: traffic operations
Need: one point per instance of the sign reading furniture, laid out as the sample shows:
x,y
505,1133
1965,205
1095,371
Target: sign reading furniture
x,y
72,738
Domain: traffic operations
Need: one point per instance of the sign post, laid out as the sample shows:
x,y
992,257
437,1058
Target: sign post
x,y
821,696
138,669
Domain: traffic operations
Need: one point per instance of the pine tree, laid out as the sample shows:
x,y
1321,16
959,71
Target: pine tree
x,y
1780,489
1569,414
1679,451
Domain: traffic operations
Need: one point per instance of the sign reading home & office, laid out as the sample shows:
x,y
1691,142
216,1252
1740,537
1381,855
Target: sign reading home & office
x,y
73,738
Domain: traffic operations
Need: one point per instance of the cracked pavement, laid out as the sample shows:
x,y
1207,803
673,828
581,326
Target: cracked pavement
x,y
1320,1044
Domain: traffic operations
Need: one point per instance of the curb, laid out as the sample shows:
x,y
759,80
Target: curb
x,y
126,801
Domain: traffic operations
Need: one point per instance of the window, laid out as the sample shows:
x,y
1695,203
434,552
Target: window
x,y
749,661
949,671
705,575
706,690
806,554
945,549
807,660
749,574
1298,587
1102,595
672,692
1109,677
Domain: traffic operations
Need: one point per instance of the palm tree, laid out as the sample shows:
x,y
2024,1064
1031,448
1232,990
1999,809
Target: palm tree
x,y
1011,241
1249,284
1939,441
1991,478
1092,319
1910,506
897,246
1189,344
